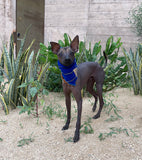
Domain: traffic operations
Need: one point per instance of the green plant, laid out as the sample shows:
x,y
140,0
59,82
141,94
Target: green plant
x,y
66,42
86,127
25,141
109,106
134,63
12,74
54,109
115,131
43,54
3,121
135,19
70,139
1,139
116,71
35,88
85,54
21,125
60,111
134,133
47,127
112,118
54,82
49,111
20,70
1,64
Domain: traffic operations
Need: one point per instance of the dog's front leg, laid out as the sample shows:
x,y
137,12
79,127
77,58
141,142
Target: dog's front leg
x,y
68,106
79,111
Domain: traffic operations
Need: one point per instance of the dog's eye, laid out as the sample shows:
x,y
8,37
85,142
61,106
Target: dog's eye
x,y
72,53
60,54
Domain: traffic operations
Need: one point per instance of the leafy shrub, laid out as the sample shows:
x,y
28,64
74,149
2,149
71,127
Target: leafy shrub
x,y
135,19
54,82
116,71
134,63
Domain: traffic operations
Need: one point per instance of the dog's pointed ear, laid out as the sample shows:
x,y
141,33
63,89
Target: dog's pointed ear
x,y
55,47
75,44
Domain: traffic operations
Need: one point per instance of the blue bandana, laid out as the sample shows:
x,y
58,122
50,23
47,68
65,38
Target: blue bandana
x,y
68,72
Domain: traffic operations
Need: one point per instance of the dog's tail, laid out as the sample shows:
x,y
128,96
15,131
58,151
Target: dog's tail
x,y
105,59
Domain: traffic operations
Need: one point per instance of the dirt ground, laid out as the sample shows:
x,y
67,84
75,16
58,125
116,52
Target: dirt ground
x,y
49,140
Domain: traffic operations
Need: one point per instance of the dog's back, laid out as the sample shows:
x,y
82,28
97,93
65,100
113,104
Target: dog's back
x,y
87,70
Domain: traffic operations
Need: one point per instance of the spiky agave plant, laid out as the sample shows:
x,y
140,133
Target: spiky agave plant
x,y
18,71
134,63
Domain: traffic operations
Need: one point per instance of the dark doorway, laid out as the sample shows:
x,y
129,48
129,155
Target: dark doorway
x,y
30,12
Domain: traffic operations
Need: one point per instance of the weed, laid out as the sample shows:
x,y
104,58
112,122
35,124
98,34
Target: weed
x,y
3,121
47,127
86,127
92,103
48,111
60,112
38,122
70,139
56,110
114,131
110,106
1,139
75,109
25,141
134,133
21,125
112,119
131,116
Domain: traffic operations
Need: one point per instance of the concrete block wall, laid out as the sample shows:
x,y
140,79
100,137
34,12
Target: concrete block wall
x,y
109,17
92,20
7,20
65,16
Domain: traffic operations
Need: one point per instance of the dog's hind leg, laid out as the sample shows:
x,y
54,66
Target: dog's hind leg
x,y
99,93
90,89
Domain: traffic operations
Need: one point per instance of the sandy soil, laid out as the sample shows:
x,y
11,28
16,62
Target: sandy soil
x,y
49,140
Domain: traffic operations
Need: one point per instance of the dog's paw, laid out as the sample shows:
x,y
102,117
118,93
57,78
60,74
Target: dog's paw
x,y
96,116
65,127
76,138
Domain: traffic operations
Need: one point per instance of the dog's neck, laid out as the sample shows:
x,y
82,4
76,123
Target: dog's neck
x,y
68,72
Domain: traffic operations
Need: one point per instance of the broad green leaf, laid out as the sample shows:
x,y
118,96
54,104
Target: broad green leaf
x,y
66,40
33,91
8,64
42,73
2,100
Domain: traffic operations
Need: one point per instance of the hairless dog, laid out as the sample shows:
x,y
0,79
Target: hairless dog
x,y
74,78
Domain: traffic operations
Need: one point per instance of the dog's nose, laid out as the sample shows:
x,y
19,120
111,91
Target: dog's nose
x,y
67,60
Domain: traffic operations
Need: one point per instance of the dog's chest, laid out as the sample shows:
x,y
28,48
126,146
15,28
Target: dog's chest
x,y
68,73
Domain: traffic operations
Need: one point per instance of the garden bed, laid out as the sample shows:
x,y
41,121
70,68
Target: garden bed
x,y
25,137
